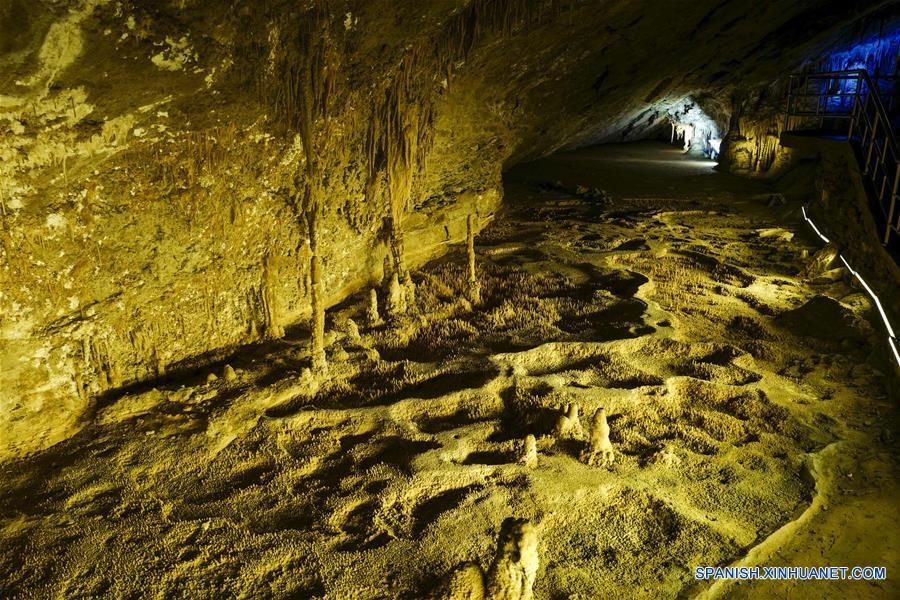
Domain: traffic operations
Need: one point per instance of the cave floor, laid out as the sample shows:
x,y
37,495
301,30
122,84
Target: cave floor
x,y
748,412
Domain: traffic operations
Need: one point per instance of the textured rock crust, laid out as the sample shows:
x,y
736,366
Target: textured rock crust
x,y
169,171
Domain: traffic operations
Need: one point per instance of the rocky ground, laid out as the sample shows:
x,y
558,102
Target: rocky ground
x,y
745,397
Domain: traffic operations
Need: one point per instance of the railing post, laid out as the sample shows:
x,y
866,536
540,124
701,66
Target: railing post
x,y
819,108
790,97
890,215
872,142
864,116
853,108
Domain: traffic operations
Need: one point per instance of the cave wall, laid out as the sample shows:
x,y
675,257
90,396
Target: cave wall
x,y
170,170
871,42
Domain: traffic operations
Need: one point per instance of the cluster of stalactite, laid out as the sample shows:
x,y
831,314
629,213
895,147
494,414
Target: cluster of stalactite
x,y
308,84
753,140
401,125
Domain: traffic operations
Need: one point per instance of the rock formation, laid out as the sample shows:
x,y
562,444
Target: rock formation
x,y
529,456
515,565
465,582
373,318
171,173
568,424
600,449
473,287
512,572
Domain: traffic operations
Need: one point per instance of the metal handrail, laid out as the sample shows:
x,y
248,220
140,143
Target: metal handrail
x,y
869,124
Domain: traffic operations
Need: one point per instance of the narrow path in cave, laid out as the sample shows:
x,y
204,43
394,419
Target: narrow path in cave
x,y
630,278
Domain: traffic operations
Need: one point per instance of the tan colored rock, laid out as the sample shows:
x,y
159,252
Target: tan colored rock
x,y
529,453
351,330
568,425
600,449
396,302
465,582
667,457
512,574
340,355
821,261
373,319
228,373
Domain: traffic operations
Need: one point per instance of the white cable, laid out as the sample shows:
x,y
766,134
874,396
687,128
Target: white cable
x,y
894,348
874,297
887,323
816,229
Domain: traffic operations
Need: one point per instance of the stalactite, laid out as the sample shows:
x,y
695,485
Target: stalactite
x,y
310,97
753,140
317,348
401,128
474,288
270,299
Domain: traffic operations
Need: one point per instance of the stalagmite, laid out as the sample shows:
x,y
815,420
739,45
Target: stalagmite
x,y
373,319
351,330
317,347
387,272
568,425
228,373
529,453
465,582
396,302
409,291
474,289
599,448
512,574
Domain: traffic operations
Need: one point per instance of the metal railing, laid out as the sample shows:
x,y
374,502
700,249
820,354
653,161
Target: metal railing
x,y
851,101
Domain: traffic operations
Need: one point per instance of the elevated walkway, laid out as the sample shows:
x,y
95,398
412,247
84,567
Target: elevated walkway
x,y
852,107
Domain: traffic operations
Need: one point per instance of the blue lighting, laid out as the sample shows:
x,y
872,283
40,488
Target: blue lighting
x,y
877,53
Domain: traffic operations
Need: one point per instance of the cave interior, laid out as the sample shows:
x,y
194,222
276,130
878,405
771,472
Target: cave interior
x,y
448,299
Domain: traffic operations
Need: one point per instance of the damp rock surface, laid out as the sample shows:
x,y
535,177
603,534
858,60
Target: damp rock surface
x,y
398,473
170,171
